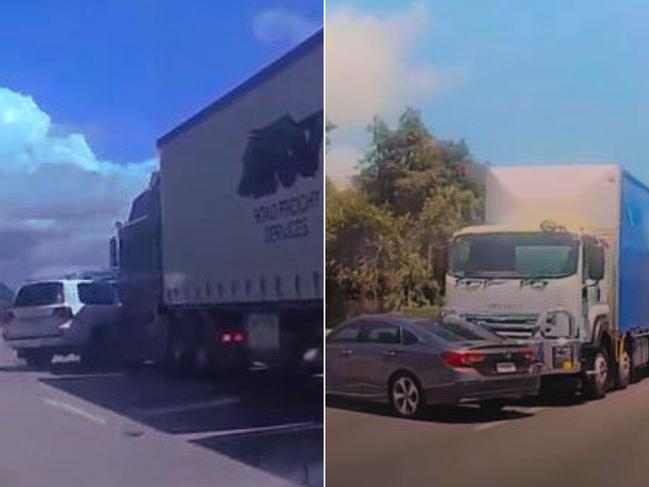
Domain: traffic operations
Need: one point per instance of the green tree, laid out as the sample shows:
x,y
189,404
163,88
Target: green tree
x,y
368,253
387,235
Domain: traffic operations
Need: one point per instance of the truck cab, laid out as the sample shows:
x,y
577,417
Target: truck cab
x,y
545,284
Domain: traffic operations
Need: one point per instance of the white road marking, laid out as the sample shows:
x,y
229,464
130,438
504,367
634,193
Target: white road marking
x,y
64,406
531,410
486,426
302,426
493,424
179,408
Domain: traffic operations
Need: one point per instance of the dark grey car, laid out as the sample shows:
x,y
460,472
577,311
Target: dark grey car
x,y
412,362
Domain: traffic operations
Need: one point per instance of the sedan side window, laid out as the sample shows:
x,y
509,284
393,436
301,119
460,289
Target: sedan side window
x,y
381,333
345,334
409,338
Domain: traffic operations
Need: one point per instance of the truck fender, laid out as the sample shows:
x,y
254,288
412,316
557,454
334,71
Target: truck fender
x,y
601,329
599,312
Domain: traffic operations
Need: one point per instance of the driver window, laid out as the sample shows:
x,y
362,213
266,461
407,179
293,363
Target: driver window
x,y
382,333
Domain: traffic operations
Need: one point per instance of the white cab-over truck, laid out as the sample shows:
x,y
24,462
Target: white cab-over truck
x,y
562,260
222,256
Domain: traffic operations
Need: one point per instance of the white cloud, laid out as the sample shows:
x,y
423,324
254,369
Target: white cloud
x,y
370,71
279,26
341,163
58,201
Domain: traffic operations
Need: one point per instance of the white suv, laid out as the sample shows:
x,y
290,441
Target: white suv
x,y
61,317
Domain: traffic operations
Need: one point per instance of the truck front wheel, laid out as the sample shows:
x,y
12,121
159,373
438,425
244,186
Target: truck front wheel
x,y
597,382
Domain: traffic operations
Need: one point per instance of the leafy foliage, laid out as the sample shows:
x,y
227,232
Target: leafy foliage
x,y
387,235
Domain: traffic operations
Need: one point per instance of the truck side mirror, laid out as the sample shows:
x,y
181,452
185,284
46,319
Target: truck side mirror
x,y
114,253
595,263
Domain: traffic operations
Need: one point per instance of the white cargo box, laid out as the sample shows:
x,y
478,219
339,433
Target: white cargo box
x,y
242,190
579,197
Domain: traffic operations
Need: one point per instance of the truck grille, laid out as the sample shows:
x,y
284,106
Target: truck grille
x,y
510,326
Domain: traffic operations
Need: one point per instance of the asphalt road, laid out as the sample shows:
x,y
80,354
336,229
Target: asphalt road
x,y
535,443
66,427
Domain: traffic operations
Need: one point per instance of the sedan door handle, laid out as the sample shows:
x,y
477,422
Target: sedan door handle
x,y
390,353
346,352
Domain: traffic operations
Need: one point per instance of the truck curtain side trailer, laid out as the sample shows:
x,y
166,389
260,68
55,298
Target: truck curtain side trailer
x,y
226,244
563,261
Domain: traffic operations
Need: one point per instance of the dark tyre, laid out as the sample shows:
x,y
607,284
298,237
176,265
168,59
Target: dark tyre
x,y
406,397
98,351
202,363
492,407
180,357
37,358
287,177
597,384
559,387
624,371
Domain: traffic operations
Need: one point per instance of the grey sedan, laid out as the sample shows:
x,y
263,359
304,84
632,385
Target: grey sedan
x,y
412,362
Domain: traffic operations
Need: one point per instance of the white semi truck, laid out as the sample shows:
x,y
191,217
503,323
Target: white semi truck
x,y
222,255
562,260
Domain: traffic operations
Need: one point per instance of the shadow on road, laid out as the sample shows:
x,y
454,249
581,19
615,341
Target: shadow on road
x,y
291,455
258,418
467,414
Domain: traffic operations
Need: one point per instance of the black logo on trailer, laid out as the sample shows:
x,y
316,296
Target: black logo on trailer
x,y
280,152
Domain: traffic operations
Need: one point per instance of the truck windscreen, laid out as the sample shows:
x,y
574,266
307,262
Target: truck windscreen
x,y
515,255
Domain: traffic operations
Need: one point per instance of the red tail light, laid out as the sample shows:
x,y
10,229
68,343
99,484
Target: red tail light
x,y
462,359
238,337
62,312
528,354
233,337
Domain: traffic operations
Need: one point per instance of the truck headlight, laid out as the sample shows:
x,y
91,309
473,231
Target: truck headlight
x,y
558,324
563,358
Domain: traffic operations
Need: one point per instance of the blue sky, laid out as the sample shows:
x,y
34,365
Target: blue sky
x,y
86,88
123,72
521,81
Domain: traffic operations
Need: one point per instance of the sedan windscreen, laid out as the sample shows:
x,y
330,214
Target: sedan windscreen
x,y
41,294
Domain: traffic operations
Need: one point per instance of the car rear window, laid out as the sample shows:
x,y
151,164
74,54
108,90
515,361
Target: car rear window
x,y
456,331
41,294
97,293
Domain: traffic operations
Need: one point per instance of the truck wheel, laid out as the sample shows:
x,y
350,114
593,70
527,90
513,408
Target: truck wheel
x,y
598,382
98,352
37,358
180,358
201,360
624,371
